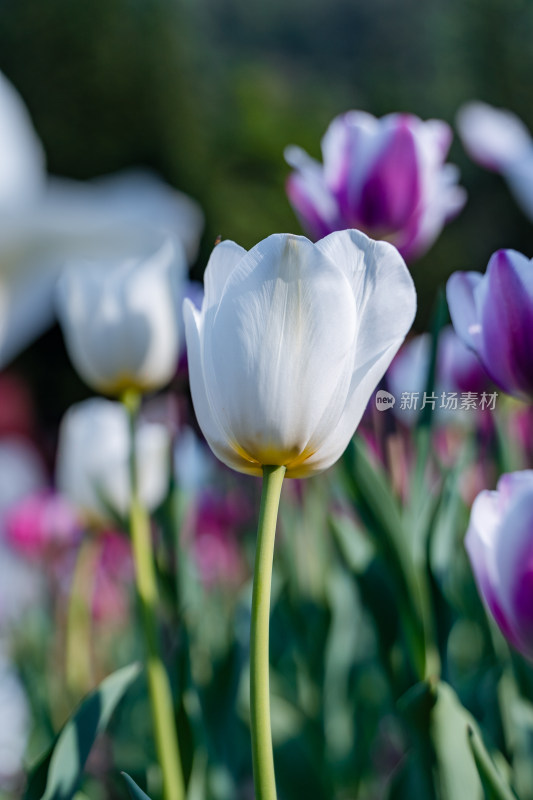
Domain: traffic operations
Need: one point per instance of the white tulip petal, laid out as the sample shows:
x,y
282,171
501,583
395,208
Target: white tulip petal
x,y
224,258
285,353
153,463
93,459
385,316
22,161
272,337
206,413
121,320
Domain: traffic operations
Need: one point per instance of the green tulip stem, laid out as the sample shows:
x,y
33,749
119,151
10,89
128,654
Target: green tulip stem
x,y
166,739
262,754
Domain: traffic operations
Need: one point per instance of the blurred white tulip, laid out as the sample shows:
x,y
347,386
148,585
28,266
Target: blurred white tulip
x,y
22,160
92,468
45,222
120,319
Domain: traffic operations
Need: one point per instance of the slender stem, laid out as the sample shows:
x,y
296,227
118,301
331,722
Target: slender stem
x,y
79,621
262,755
166,739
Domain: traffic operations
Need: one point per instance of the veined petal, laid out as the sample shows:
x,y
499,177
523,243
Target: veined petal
x,y
283,333
383,320
207,409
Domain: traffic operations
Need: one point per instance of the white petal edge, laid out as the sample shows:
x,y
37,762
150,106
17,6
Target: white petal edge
x,y
214,434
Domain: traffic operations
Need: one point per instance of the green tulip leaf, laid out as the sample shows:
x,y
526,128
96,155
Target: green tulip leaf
x,y
494,785
457,771
134,791
58,773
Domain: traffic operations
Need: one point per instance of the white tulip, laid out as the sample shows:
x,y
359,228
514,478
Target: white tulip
x,y
46,221
290,342
22,162
120,319
93,467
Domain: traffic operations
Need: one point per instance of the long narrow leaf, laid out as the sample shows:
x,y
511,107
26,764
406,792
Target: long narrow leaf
x,y
57,775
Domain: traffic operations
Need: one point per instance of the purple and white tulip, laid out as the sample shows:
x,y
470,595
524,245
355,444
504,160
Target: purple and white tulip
x,y
498,140
499,542
386,177
493,315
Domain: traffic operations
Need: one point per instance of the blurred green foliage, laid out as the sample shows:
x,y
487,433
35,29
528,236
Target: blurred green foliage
x,y
210,93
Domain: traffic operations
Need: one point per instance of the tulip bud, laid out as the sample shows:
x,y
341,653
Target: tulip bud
x,y
499,544
493,315
121,320
289,344
93,459
385,176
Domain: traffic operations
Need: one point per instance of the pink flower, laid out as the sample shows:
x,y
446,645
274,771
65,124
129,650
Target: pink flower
x,y
215,544
41,524
386,177
113,578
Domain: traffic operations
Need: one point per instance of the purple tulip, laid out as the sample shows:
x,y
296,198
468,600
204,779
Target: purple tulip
x,y
493,315
386,177
499,542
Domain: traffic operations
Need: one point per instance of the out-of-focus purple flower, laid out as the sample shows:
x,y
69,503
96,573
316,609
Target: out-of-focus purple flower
x,y
215,545
493,315
42,524
386,177
458,370
499,543
498,140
